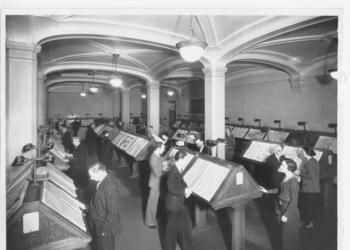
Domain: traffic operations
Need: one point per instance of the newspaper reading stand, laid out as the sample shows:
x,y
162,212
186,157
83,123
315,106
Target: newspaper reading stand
x,y
221,184
42,223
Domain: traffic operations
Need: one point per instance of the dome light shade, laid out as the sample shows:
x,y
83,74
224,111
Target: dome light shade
x,y
334,74
171,93
191,50
143,96
83,94
116,82
93,89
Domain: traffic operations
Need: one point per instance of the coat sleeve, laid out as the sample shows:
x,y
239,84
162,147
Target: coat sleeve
x,y
309,171
112,210
174,186
293,202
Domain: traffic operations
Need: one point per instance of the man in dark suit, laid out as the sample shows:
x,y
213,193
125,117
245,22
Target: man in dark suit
x,y
106,153
178,222
75,127
272,178
272,164
78,168
104,209
203,149
67,140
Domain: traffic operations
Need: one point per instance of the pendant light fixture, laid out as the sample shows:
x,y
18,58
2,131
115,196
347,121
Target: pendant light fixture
x,y
170,92
93,89
191,50
82,93
115,81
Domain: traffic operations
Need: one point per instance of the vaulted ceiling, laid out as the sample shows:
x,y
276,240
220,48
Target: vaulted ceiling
x,y
78,49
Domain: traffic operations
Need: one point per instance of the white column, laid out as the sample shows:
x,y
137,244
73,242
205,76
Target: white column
x,y
125,106
42,100
215,105
21,97
153,106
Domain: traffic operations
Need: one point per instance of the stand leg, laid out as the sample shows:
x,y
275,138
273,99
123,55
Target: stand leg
x,y
200,218
238,228
135,170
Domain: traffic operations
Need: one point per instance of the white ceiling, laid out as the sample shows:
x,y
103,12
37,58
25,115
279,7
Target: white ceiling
x,y
79,48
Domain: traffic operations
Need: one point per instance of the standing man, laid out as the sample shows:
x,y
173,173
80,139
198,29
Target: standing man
x,y
178,221
75,127
155,162
78,168
67,140
203,149
230,145
104,209
272,179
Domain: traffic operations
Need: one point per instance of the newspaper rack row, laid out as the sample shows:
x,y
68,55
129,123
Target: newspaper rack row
x,y
258,150
135,145
280,136
215,181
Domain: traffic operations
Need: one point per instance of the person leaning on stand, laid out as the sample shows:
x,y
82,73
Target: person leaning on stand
x,y
310,187
104,209
155,163
230,145
178,220
67,140
203,149
78,170
273,178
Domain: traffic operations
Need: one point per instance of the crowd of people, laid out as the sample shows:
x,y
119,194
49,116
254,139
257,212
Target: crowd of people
x,y
289,189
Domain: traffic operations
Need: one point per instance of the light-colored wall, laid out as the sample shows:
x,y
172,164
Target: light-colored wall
x,y
270,98
63,104
164,104
137,104
195,91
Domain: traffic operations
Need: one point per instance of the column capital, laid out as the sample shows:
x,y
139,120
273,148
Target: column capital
x,y
153,85
125,91
296,84
20,50
214,71
41,78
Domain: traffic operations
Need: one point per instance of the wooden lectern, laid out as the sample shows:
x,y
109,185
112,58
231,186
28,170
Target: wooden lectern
x,y
44,215
221,184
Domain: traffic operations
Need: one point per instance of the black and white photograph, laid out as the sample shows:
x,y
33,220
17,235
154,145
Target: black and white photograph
x,y
96,105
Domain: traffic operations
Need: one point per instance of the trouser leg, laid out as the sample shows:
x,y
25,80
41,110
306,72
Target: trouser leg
x,y
171,230
152,204
184,230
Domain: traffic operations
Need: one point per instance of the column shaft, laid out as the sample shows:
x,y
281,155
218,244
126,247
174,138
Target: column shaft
x,y
153,107
125,107
215,104
21,99
41,100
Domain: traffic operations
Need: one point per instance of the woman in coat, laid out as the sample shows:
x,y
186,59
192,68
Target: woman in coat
x,y
288,193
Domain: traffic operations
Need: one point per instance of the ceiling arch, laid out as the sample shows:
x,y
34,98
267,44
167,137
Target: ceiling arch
x,y
146,44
